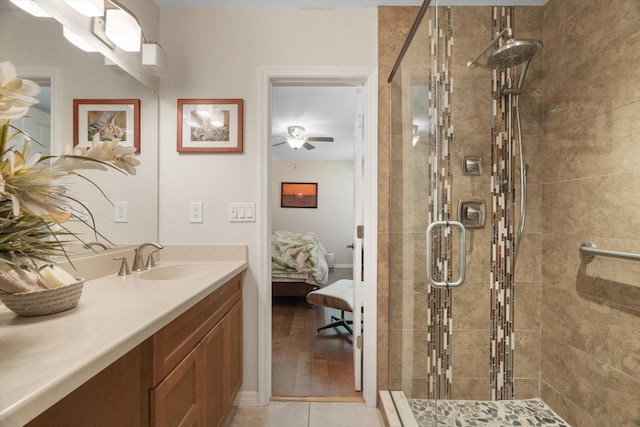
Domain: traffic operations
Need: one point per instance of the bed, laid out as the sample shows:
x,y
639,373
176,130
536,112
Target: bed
x,y
298,263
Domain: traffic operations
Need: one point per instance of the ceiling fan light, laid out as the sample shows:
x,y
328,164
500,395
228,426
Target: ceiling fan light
x,y
296,132
87,7
77,41
124,30
30,7
295,143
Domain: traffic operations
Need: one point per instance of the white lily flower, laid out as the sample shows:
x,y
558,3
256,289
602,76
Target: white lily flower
x,y
16,94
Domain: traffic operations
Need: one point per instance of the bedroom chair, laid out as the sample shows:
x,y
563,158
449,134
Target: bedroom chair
x,y
338,295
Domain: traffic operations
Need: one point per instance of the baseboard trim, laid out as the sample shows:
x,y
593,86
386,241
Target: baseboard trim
x,y
246,398
343,266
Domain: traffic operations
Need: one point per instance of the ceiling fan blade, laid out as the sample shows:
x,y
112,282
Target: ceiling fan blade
x,y
320,139
308,146
279,143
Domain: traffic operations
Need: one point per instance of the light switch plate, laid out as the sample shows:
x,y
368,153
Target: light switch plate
x,y
242,212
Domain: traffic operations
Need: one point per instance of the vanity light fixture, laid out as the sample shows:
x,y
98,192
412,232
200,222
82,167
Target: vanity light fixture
x,y
87,7
30,7
97,29
123,29
154,59
77,41
416,138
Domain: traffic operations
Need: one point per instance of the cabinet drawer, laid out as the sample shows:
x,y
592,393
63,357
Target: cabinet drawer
x,y
173,342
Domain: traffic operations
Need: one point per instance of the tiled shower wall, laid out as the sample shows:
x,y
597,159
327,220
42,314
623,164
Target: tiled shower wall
x,y
591,192
584,186
471,303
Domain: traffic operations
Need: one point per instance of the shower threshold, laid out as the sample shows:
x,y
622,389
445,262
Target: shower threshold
x,y
463,413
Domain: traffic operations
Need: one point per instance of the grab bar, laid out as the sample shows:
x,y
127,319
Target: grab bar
x,y
589,251
463,258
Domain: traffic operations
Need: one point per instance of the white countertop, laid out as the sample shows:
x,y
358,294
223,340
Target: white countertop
x,y
42,359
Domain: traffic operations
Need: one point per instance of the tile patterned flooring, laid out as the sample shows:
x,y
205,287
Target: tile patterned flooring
x,y
306,414
531,412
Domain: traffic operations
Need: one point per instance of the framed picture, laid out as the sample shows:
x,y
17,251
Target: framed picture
x,y
110,118
299,195
210,125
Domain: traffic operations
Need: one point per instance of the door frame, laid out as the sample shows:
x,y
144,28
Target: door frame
x,y
367,77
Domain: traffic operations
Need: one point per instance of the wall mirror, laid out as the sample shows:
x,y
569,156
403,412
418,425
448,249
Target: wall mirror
x,y
39,51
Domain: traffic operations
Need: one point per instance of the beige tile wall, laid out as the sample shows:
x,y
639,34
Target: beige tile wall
x,y
584,159
590,312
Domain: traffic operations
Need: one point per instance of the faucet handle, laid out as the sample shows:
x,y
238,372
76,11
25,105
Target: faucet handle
x,y
151,262
124,267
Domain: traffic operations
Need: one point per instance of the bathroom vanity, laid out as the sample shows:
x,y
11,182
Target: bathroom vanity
x,y
163,349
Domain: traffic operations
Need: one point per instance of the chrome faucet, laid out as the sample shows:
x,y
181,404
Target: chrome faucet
x,y
90,245
138,264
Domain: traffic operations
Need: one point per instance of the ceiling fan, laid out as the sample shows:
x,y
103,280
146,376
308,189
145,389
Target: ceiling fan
x,y
296,138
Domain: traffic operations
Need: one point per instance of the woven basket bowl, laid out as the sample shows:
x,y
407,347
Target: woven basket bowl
x,y
45,301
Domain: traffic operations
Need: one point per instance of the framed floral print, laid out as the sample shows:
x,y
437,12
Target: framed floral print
x,y
108,118
210,125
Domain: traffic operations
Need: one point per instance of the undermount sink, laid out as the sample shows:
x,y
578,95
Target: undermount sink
x,y
176,272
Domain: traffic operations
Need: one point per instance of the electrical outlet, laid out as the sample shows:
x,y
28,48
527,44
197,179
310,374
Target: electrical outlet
x,y
195,212
122,212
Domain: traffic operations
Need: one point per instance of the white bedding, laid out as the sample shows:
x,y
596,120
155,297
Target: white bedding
x,y
298,257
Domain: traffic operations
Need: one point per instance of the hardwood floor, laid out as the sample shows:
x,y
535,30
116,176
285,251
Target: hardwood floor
x,y
306,363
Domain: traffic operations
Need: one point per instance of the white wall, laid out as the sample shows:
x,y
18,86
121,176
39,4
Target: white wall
x,y
218,53
333,219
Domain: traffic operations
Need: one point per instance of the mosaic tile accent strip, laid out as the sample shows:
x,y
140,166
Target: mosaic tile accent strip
x,y
440,325
502,260
504,413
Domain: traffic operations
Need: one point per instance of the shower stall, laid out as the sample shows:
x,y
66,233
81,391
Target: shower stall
x,y
458,182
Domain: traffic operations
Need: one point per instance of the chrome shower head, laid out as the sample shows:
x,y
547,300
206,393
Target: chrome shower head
x,y
514,52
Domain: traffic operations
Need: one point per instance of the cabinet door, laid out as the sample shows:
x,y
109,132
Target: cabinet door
x,y
176,401
213,402
233,353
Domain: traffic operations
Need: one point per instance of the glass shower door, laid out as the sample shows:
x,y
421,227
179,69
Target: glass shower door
x,y
427,244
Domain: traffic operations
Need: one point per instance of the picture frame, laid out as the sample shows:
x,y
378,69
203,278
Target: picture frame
x,y
299,195
210,125
118,118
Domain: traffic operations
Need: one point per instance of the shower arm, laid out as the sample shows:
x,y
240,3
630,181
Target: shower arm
x,y
523,72
472,64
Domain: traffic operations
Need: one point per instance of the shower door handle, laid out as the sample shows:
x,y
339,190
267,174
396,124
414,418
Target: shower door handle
x,y
430,254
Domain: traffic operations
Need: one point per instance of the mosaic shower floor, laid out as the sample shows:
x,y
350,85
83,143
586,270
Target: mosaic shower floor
x,y
463,413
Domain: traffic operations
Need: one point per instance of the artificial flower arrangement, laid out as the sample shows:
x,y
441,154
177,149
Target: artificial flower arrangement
x,y
34,201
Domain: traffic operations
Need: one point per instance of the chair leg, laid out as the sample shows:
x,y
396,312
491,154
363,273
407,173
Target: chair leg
x,y
339,321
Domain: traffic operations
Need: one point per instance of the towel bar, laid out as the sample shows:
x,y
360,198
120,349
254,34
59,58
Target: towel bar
x,y
589,251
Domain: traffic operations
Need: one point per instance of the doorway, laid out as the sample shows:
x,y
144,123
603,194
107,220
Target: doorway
x,y
365,78
313,131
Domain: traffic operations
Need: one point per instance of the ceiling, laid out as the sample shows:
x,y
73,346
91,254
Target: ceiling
x,y
324,111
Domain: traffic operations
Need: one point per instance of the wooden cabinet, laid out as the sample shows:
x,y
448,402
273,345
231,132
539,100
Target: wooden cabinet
x,y
223,360
187,374
212,331
176,400
232,361
214,403
116,396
